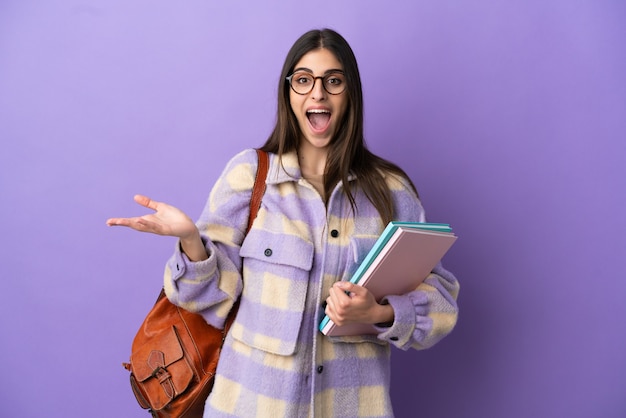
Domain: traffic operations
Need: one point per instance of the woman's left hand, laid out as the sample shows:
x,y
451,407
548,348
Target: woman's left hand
x,y
349,302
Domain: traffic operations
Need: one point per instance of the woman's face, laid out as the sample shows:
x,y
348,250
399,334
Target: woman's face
x,y
318,112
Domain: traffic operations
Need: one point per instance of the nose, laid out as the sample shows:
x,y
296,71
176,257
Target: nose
x,y
318,92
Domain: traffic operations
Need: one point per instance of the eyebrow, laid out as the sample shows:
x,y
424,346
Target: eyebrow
x,y
308,70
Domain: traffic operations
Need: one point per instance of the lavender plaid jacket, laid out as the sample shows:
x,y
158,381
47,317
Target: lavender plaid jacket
x,y
275,362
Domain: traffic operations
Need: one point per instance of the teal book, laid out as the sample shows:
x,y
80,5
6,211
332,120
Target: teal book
x,y
401,258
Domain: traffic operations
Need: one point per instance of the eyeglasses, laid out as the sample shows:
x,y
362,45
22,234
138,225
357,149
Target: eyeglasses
x,y
303,82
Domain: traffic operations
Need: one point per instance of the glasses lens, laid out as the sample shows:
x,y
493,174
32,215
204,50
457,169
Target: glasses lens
x,y
334,83
302,83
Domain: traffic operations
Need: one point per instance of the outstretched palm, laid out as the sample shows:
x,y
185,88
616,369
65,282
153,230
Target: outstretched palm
x,y
166,220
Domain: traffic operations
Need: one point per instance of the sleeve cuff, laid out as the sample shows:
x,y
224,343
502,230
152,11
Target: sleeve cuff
x,y
405,310
180,265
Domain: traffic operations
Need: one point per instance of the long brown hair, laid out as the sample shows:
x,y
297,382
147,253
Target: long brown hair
x,y
348,153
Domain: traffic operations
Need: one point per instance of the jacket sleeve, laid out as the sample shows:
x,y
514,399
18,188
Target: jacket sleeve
x,y
426,315
212,286
429,313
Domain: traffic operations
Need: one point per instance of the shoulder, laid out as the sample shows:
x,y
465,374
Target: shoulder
x,y
397,183
240,170
407,204
247,157
393,176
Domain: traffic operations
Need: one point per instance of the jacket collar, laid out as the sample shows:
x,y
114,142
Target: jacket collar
x,y
289,170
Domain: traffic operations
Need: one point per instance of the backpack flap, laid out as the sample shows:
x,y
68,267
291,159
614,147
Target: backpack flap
x,y
163,373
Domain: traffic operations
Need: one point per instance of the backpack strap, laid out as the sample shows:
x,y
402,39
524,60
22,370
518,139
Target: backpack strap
x,y
259,186
255,203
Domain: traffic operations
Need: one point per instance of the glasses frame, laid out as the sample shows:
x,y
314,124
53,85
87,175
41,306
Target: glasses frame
x,y
290,78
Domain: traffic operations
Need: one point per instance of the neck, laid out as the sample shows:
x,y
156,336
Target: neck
x,y
312,160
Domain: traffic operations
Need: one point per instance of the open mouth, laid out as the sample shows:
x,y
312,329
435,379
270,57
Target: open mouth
x,y
319,119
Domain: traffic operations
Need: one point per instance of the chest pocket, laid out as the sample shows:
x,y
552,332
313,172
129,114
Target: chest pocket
x,y
360,245
276,269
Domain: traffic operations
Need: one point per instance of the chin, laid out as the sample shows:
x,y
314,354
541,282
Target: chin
x,y
318,142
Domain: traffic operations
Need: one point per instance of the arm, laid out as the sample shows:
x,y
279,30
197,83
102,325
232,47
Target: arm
x,y
429,313
426,315
212,284
416,320
203,275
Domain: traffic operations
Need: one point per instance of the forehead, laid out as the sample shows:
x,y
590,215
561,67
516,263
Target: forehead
x,y
319,61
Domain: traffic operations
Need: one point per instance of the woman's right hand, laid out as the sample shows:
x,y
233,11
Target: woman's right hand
x,y
166,220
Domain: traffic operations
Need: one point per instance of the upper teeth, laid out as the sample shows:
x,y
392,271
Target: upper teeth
x,y
317,111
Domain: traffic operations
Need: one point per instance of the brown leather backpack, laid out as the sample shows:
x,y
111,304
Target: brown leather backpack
x,y
175,352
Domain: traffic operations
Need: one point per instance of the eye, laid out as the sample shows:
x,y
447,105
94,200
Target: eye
x,y
302,79
334,80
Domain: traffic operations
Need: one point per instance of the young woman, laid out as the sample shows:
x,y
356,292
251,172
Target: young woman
x,y
327,200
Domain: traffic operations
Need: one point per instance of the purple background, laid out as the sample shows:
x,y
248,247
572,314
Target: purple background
x,y
509,116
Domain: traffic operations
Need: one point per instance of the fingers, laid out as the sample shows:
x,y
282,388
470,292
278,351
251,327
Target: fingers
x,y
338,297
146,201
130,222
339,302
135,222
140,224
120,221
343,295
114,222
349,288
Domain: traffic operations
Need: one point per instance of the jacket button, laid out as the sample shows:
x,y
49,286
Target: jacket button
x,y
268,252
320,369
334,233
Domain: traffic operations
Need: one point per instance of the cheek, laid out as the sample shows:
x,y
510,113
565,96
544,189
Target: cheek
x,y
294,102
343,109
